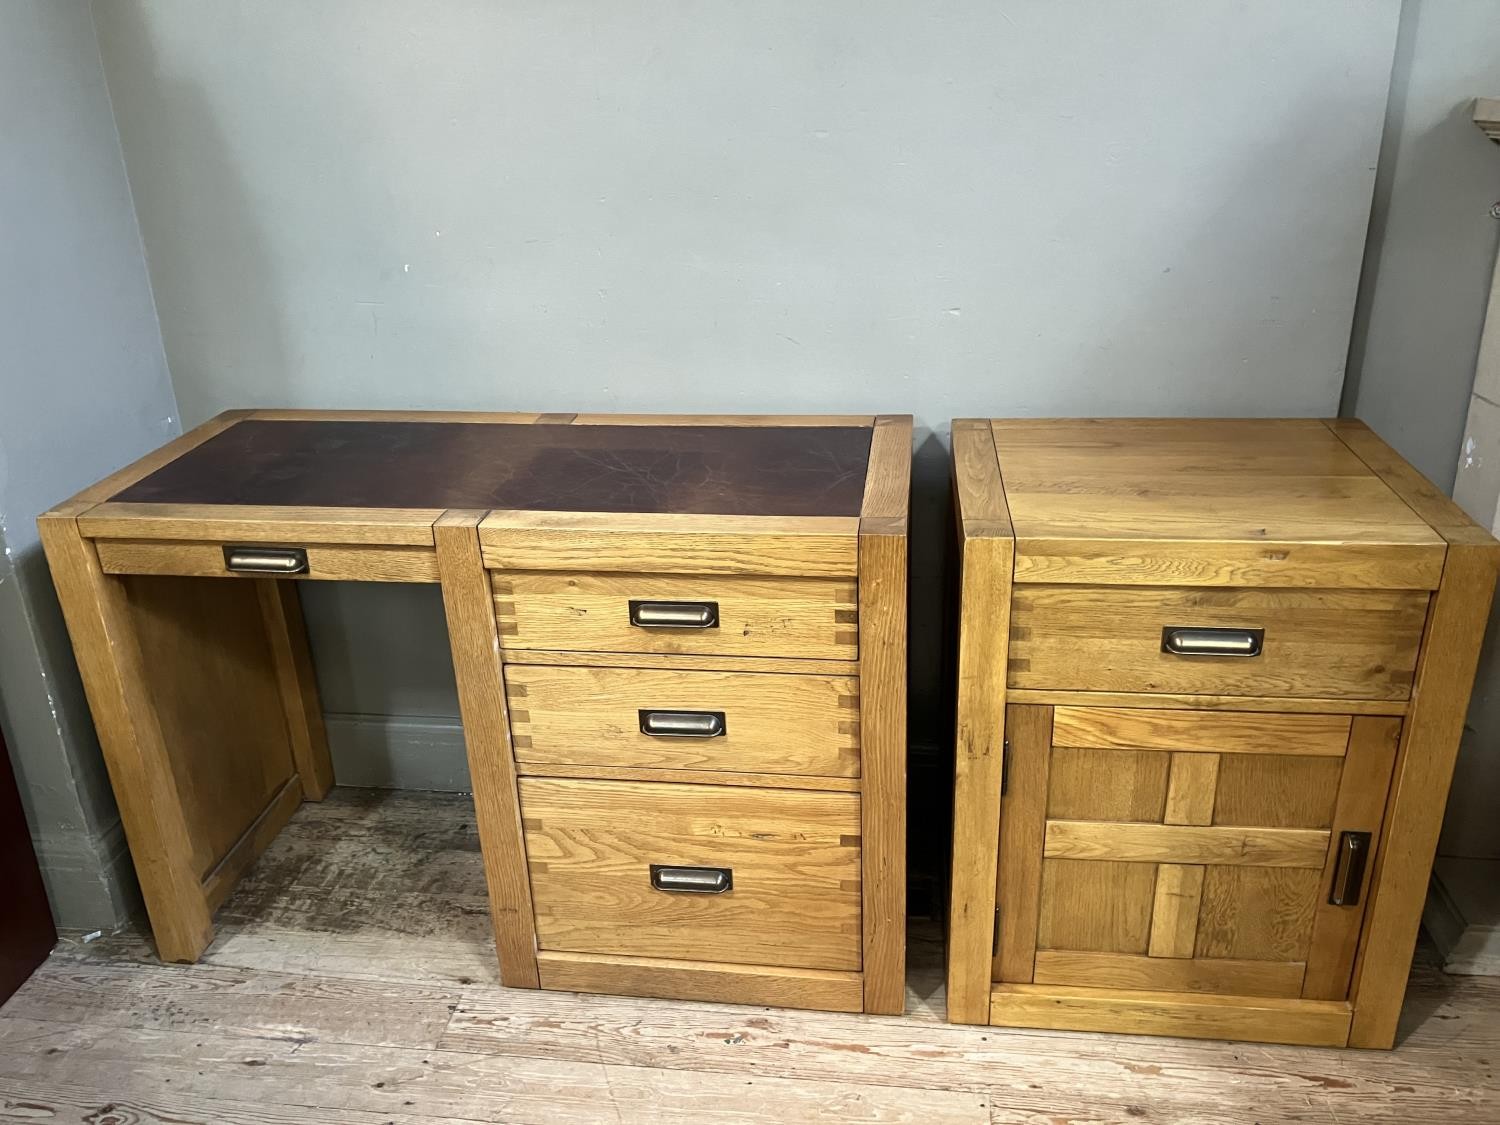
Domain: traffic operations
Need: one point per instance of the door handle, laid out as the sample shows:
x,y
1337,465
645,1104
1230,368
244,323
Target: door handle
x,y
692,880
1349,868
266,560
1187,640
682,724
674,615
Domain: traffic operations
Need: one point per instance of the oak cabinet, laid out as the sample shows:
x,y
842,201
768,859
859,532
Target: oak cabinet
x,y
1211,680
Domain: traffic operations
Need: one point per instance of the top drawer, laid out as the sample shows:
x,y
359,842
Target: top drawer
x,y
336,562
1340,644
810,618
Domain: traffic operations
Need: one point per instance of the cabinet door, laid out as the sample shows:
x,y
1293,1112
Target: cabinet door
x,y
1188,851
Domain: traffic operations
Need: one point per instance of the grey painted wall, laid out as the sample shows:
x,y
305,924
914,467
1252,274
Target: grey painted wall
x,y
618,205
83,390
1432,241
949,209
1422,305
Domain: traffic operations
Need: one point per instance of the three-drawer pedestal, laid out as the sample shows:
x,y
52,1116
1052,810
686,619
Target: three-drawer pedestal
x,y
1212,677
704,711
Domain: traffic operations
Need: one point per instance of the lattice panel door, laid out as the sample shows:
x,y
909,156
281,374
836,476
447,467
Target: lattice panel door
x,y
1185,851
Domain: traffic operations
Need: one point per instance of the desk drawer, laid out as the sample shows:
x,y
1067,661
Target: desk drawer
x,y
329,562
740,721
813,618
1350,644
606,856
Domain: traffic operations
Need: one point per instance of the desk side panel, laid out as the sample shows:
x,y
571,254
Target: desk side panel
x,y
211,674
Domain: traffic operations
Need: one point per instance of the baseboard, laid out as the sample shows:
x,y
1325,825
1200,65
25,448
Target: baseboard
x,y
398,752
90,880
1462,915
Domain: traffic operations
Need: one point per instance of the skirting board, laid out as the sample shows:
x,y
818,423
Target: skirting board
x,y
398,752
1463,915
90,881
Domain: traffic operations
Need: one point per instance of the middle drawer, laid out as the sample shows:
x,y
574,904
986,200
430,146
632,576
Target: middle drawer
x,y
753,722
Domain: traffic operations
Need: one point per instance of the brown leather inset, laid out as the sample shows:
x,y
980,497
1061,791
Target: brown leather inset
x,y
706,470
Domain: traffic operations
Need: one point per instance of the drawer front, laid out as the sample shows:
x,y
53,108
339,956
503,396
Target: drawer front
x,y
329,562
740,721
1185,851
614,867
1350,644
813,618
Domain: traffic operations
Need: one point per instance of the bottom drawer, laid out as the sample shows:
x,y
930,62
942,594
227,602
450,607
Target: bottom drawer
x,y
696,872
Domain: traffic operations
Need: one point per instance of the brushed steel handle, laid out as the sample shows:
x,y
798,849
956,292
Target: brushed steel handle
x,y
1349,868
692,880
266,560
674,615
682,724
1187,640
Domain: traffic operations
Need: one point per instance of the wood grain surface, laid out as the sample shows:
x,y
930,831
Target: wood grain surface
x,y
1167,843
671,543
883,674
1165,973
773,617
473,637
1023,820
984,553
1332,643
794,857
1156,729
772,723
324,563
1315,1023
1206,502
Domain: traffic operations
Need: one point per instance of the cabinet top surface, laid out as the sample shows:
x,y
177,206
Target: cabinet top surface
x,y
761,467
1266,480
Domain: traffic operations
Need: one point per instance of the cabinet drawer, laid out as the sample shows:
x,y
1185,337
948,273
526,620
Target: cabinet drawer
x,y
740,721
1352,644
597,851
813,618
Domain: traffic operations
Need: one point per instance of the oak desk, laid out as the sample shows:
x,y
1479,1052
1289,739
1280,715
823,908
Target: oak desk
x,y
680,647
1212,676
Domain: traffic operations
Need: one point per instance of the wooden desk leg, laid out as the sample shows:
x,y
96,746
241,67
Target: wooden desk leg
x,y
109,659
472,631
281,607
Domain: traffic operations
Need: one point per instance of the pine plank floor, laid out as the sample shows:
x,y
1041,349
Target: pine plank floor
x,y
353,981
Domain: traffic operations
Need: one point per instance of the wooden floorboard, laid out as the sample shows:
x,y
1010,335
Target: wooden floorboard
x,y
353,981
